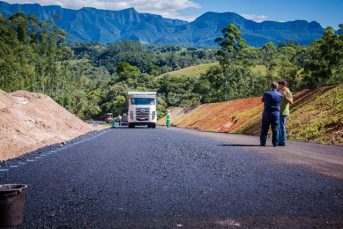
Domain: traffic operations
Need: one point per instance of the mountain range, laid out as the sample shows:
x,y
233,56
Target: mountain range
x,y
105,26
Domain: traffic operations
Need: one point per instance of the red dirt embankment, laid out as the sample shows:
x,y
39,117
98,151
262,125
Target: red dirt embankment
x,y
29,121
227,117
316,115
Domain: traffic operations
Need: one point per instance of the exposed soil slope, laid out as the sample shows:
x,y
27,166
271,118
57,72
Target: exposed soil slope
x,y
29,121
316,115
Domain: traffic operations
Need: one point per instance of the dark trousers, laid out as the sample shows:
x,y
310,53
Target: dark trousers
x,y
266,122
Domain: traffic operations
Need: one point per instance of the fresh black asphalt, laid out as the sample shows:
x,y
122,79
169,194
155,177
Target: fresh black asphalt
x,y
165,178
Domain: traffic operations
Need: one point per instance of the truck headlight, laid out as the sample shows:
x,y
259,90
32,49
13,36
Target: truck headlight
x,y
131,114
153,115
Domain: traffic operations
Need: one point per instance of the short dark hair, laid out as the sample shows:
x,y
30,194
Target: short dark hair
x,y
283,82
273,85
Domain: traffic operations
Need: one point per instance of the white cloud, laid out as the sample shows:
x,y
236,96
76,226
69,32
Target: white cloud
x,y
257,18
167,8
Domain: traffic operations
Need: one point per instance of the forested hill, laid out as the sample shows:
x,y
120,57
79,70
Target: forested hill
x,y
104,26
90,79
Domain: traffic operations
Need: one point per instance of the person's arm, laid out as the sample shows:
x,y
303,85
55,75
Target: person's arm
x,y
263,97
288,98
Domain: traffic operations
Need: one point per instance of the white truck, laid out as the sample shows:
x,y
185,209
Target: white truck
x,y
141,109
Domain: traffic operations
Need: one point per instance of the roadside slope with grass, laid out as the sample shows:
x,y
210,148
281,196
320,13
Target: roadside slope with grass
x,y
315,116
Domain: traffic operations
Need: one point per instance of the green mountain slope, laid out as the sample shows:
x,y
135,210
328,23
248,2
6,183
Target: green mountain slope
x,y
105,26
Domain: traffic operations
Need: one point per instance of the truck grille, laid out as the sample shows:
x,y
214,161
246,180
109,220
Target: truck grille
x,y
142,114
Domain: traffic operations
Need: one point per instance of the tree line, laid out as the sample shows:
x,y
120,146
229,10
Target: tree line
x,y
90,79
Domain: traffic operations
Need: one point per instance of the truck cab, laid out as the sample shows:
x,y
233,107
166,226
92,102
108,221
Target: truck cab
x,y
109,117
142,109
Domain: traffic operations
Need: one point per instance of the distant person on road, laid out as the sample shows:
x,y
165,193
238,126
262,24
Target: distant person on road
x,y
168,119
271,114
114,122
287,99
119,118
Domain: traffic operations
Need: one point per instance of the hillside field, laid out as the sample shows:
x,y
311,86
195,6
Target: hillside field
x,y
198,70
316,116
193,71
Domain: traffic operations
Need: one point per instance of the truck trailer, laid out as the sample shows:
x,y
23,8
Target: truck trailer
x,y
141,109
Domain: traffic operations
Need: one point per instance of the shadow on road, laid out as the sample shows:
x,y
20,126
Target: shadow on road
x,y
136,128
240,145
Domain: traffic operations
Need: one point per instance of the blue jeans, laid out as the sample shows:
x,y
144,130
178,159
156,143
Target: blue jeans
x,y
266,122
282,133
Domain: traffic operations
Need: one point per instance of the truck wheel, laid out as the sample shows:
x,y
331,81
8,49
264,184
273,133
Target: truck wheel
x,y
131,125
154,126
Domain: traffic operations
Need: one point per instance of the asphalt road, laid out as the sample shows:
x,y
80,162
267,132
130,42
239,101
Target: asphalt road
x,y
179,178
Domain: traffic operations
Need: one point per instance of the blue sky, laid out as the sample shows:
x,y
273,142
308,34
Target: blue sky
x,y
326,12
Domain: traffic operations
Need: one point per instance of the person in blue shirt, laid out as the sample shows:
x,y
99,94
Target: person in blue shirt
x,y
271,114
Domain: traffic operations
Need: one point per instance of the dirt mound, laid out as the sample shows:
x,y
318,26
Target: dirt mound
x,y
29,121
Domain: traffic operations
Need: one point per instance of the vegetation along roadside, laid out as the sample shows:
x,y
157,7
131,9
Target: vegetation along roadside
x,y
90,79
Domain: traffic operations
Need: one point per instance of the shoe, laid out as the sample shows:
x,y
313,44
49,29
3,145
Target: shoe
x,y
282,144
262,144
275,145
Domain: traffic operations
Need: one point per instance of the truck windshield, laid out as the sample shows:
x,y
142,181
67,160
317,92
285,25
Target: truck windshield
x,y
143,101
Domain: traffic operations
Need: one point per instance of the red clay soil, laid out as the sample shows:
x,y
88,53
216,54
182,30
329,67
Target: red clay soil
x,y
225,117
29,121
244,116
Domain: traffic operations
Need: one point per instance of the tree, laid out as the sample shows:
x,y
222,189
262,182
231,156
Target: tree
x,y
126,71
287,68
269,59
154,70
213,92
326,62
245,62
230,45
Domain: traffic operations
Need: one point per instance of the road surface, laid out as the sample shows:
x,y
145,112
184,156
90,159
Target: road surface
x,y
179,178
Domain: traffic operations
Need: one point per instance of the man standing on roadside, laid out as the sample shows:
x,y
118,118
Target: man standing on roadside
x,y
119,118
271,114
287,99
